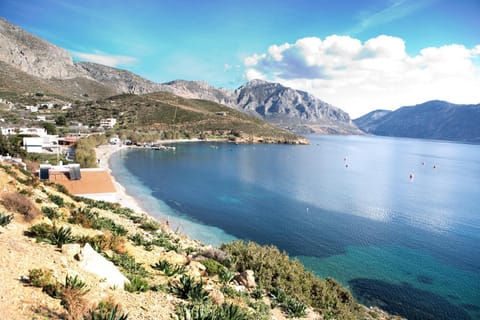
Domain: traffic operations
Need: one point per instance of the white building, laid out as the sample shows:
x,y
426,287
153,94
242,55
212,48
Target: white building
x,y
41,132
43,144
108,123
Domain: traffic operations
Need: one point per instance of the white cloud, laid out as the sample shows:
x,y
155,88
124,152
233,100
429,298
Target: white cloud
x,y
105,59
360,77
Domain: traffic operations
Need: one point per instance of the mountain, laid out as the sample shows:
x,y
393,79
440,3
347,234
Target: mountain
x,y
430,120
293,109
50,69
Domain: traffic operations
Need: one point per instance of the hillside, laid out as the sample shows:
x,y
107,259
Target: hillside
x,y
430,120
48,268
166,112
30,63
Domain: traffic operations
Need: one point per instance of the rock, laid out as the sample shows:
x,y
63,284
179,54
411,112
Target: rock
x,y
247,279
175,258
93,262
197,269
71,249
217,297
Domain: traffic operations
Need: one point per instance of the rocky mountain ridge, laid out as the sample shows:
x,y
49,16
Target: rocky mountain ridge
x,y
274,103
435,119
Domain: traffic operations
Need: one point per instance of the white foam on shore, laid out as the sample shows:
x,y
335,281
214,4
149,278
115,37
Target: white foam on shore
x,y
157,208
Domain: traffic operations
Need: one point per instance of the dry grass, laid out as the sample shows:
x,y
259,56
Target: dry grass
x,y
74,303
17,202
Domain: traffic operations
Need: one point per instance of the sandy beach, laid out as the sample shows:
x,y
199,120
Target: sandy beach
x,y
103,154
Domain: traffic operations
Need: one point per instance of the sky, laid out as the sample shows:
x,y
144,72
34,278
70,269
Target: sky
x,y
356,55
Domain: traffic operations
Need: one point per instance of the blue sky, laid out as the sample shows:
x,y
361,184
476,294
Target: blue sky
x,y
228,42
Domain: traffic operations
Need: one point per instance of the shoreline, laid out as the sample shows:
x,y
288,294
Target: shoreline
x,y
103,154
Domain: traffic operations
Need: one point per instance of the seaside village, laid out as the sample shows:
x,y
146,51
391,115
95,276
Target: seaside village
x,y
94,183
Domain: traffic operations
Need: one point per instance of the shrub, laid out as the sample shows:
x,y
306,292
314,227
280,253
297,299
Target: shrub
x,y
149,225
90,219
42,232
5,219
61,188
40,277
188,288
21,204
137,284
163,240
212,266
231,312
274,269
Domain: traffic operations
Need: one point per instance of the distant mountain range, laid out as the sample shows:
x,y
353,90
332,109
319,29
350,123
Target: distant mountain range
x,y
46,67
430,120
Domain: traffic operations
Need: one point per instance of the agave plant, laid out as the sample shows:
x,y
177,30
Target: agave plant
x,y
168,268
114,314
5,219
188,288
231,312
296,309
225,275
62,236
76,283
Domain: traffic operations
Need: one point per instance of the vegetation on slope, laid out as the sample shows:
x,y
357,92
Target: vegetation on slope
x,y
173,117
184,278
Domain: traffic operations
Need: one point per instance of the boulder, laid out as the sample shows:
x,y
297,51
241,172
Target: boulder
x,y
217,297
197,269
175,258
93,262
247,279
71,249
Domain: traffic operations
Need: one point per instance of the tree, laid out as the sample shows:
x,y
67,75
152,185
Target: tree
x,y
50,127
61,121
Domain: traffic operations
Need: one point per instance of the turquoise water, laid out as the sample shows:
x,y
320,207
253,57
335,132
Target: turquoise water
x,y
345,206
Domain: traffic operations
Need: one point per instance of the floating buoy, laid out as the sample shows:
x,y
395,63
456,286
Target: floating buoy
x,y
411,176
346,166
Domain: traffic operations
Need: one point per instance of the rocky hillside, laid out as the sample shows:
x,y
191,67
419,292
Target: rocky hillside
x,y
285,107
34,55
430,120
66,257
293,109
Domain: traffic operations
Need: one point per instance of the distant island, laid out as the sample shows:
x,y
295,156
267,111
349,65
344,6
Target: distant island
x,y
438,120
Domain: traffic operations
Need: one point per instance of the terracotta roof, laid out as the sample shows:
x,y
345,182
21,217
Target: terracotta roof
x,y
93,181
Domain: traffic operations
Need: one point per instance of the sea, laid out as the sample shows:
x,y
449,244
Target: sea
x,y
395,220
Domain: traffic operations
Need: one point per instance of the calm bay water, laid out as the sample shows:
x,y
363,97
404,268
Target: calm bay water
x,y
345,206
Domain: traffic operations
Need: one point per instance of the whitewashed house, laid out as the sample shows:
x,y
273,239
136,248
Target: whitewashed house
x,y
108,123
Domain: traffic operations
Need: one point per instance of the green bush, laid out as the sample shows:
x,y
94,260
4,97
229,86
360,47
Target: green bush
x,y
212,266
40,277
5,219
149,225
274,271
